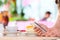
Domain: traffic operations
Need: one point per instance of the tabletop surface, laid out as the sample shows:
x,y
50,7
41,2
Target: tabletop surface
x,y
28,38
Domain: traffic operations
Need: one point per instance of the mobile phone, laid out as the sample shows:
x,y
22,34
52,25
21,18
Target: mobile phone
x,y
41,28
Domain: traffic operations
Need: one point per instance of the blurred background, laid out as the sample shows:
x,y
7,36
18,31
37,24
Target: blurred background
x,y
23,9
22,13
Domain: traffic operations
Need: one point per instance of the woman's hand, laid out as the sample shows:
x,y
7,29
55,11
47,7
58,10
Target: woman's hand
x,y
49,33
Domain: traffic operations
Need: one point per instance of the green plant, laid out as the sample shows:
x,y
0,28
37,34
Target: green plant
x,y
13,8
1,2
22,13
5,1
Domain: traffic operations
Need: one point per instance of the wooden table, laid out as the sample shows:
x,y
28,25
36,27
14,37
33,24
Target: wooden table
x,y
28,38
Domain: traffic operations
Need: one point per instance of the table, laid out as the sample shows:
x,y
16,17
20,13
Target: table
x,y
22,24
28,38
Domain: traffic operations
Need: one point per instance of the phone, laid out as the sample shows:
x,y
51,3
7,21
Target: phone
x,y
41,28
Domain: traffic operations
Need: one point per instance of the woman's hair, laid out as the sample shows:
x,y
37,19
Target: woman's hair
x,y
48,12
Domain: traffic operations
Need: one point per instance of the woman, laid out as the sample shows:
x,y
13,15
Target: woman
x,y
48,5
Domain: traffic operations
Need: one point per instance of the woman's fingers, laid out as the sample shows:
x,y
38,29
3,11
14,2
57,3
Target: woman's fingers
x,y
38,31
